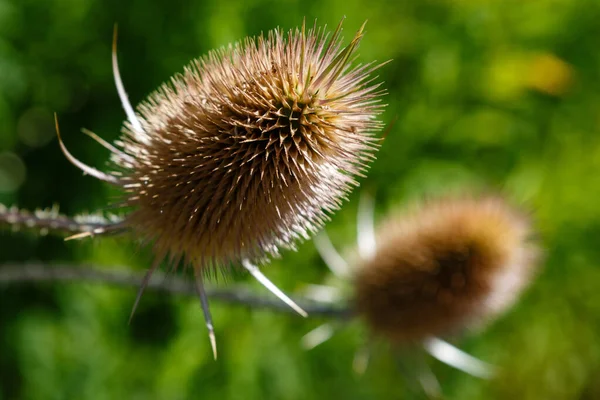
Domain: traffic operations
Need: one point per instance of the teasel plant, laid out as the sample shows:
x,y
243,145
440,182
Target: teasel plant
x,y
245,153
248,152
445,268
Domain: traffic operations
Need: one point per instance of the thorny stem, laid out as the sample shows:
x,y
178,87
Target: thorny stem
x,y
34,272
50,221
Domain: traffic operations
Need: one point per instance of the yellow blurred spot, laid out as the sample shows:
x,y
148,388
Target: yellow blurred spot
x,y
549,74
505,76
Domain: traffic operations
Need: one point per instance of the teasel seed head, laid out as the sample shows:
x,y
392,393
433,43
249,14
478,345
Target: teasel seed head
x,y
451,265
249,148
245,152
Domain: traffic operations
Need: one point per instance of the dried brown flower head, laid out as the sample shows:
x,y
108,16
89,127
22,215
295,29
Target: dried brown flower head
x,y
452,264
249,148
246,151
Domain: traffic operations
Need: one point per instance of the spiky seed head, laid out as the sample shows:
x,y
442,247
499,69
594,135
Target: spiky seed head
x,y
451,265
249,148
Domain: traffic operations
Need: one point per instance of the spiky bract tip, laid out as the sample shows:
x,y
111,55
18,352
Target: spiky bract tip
x,y
451,265
250,148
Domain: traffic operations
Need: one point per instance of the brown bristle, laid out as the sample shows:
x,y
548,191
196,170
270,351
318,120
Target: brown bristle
x,y
249,148
452,264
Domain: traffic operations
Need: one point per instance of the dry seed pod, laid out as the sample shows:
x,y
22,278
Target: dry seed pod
x,y
246,151
452,264
380,289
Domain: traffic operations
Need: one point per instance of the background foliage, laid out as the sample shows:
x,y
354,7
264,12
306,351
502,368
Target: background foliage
x,y
492,94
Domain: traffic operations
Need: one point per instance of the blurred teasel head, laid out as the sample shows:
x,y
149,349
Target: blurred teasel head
x,y
450,265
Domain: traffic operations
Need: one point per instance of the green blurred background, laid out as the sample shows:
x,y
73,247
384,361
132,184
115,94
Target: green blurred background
x,y
499,95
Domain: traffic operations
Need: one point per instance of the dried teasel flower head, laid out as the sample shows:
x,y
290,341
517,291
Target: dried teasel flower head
x,y
247,150
451,265
250,147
